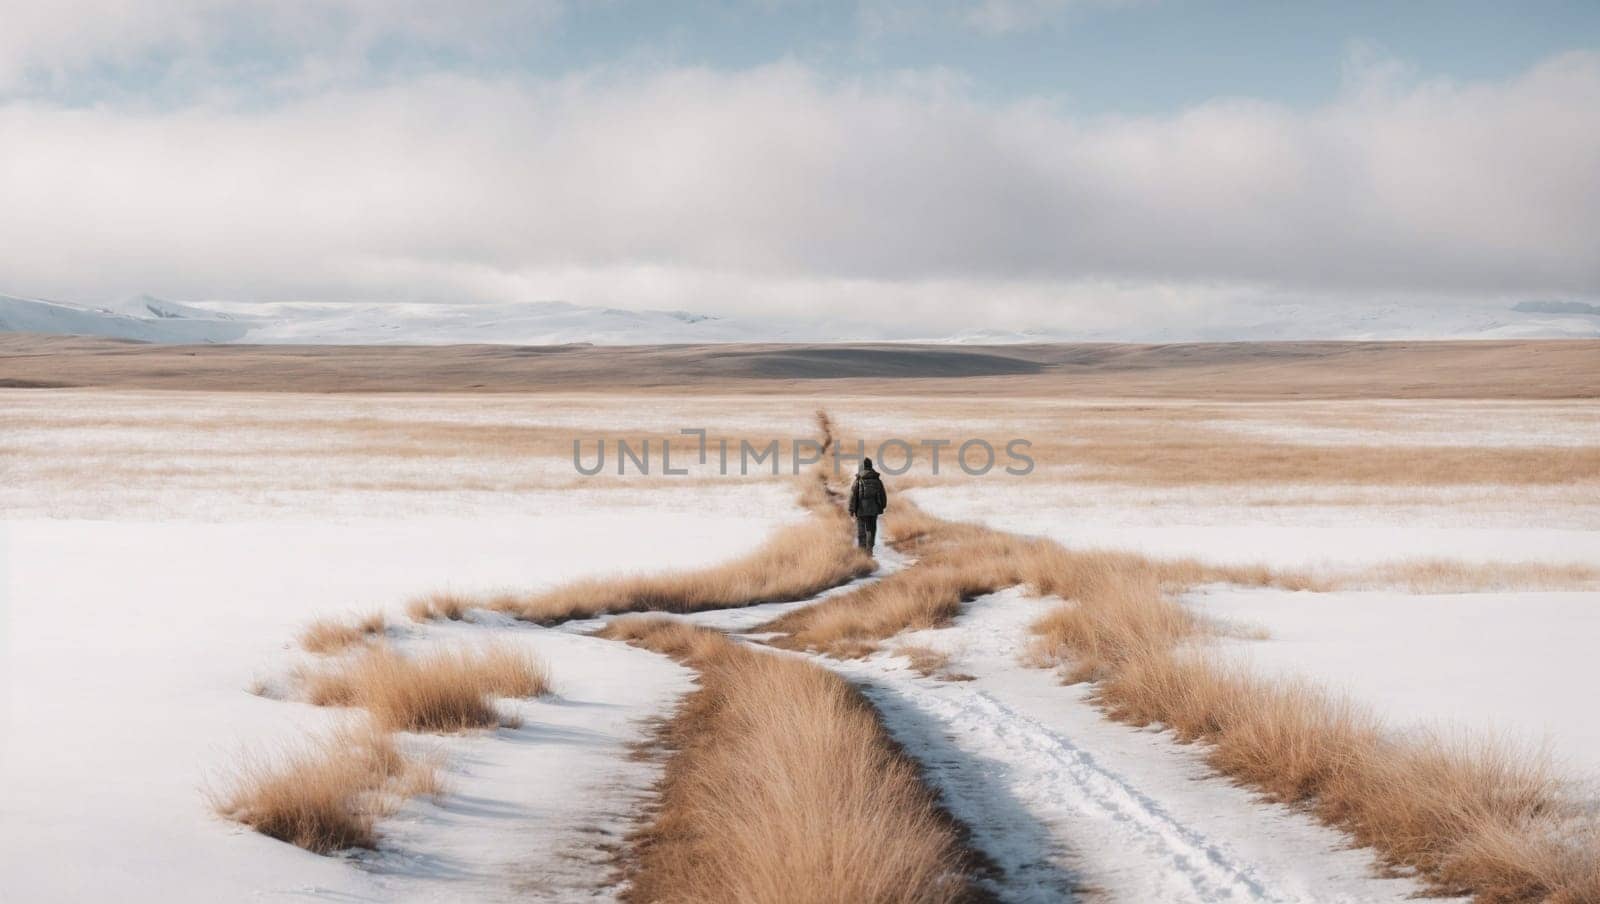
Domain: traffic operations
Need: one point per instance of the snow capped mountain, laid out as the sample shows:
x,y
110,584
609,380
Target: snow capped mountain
x,y
31,315
150,319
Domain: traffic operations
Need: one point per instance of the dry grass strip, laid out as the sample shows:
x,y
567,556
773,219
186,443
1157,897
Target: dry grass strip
x,y
960,562
1166,462
325,794
1452,576
796,563
448,690
783,788
330,635
1466,816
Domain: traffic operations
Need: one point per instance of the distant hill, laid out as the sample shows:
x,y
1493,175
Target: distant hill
x,y
148,319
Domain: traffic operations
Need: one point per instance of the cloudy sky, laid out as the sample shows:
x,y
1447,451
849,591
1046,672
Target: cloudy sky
x,y
994,163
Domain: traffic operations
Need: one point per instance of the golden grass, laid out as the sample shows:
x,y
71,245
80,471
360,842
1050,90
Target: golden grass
x,y
799,561
958,562
1454,576
1165,461
923,659
796,562
327,635
1469,817
449,690
1248,370
325,794
782,786
440,604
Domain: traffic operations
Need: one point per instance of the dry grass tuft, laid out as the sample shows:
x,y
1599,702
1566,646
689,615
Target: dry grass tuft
x,y
799,561
924,660
783,787
324,795
439,604
326,635
449,690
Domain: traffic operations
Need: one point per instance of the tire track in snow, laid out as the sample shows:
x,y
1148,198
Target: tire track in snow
x,y
1016,784
1135,815
1059,821
1019,760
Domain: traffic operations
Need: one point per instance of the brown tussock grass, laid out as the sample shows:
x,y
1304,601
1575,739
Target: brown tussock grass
x,y
1454,576
449,690
440,604
958,562
798,562
1234,461
327,635
924,660
782,786
325,794
1469,817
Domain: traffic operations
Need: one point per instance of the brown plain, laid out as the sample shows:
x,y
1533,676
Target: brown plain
x,y
1546,369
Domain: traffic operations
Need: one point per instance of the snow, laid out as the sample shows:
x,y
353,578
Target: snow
x,y
1516,665
555,322
133,629
1341,538
1064,800
29,315
129,649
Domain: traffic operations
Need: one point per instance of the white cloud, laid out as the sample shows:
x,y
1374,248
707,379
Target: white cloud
x,y
989,17
771,188
1005,16
66,41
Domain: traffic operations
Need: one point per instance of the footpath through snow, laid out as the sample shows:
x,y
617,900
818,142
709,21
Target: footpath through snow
x,y
1066,801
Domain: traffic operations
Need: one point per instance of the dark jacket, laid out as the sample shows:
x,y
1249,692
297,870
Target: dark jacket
x,y
867,496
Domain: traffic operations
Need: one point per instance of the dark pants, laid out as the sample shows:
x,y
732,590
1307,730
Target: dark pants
x,y
866,531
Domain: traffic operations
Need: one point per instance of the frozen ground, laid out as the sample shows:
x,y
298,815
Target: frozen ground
x,y
1220,526
1516,665
129,649
188,554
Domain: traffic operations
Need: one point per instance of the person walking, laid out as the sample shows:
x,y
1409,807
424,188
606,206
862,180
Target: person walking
x,y
868,500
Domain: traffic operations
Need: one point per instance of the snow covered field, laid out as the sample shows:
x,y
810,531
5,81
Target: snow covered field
x,y
1518,665
131,649
155,567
